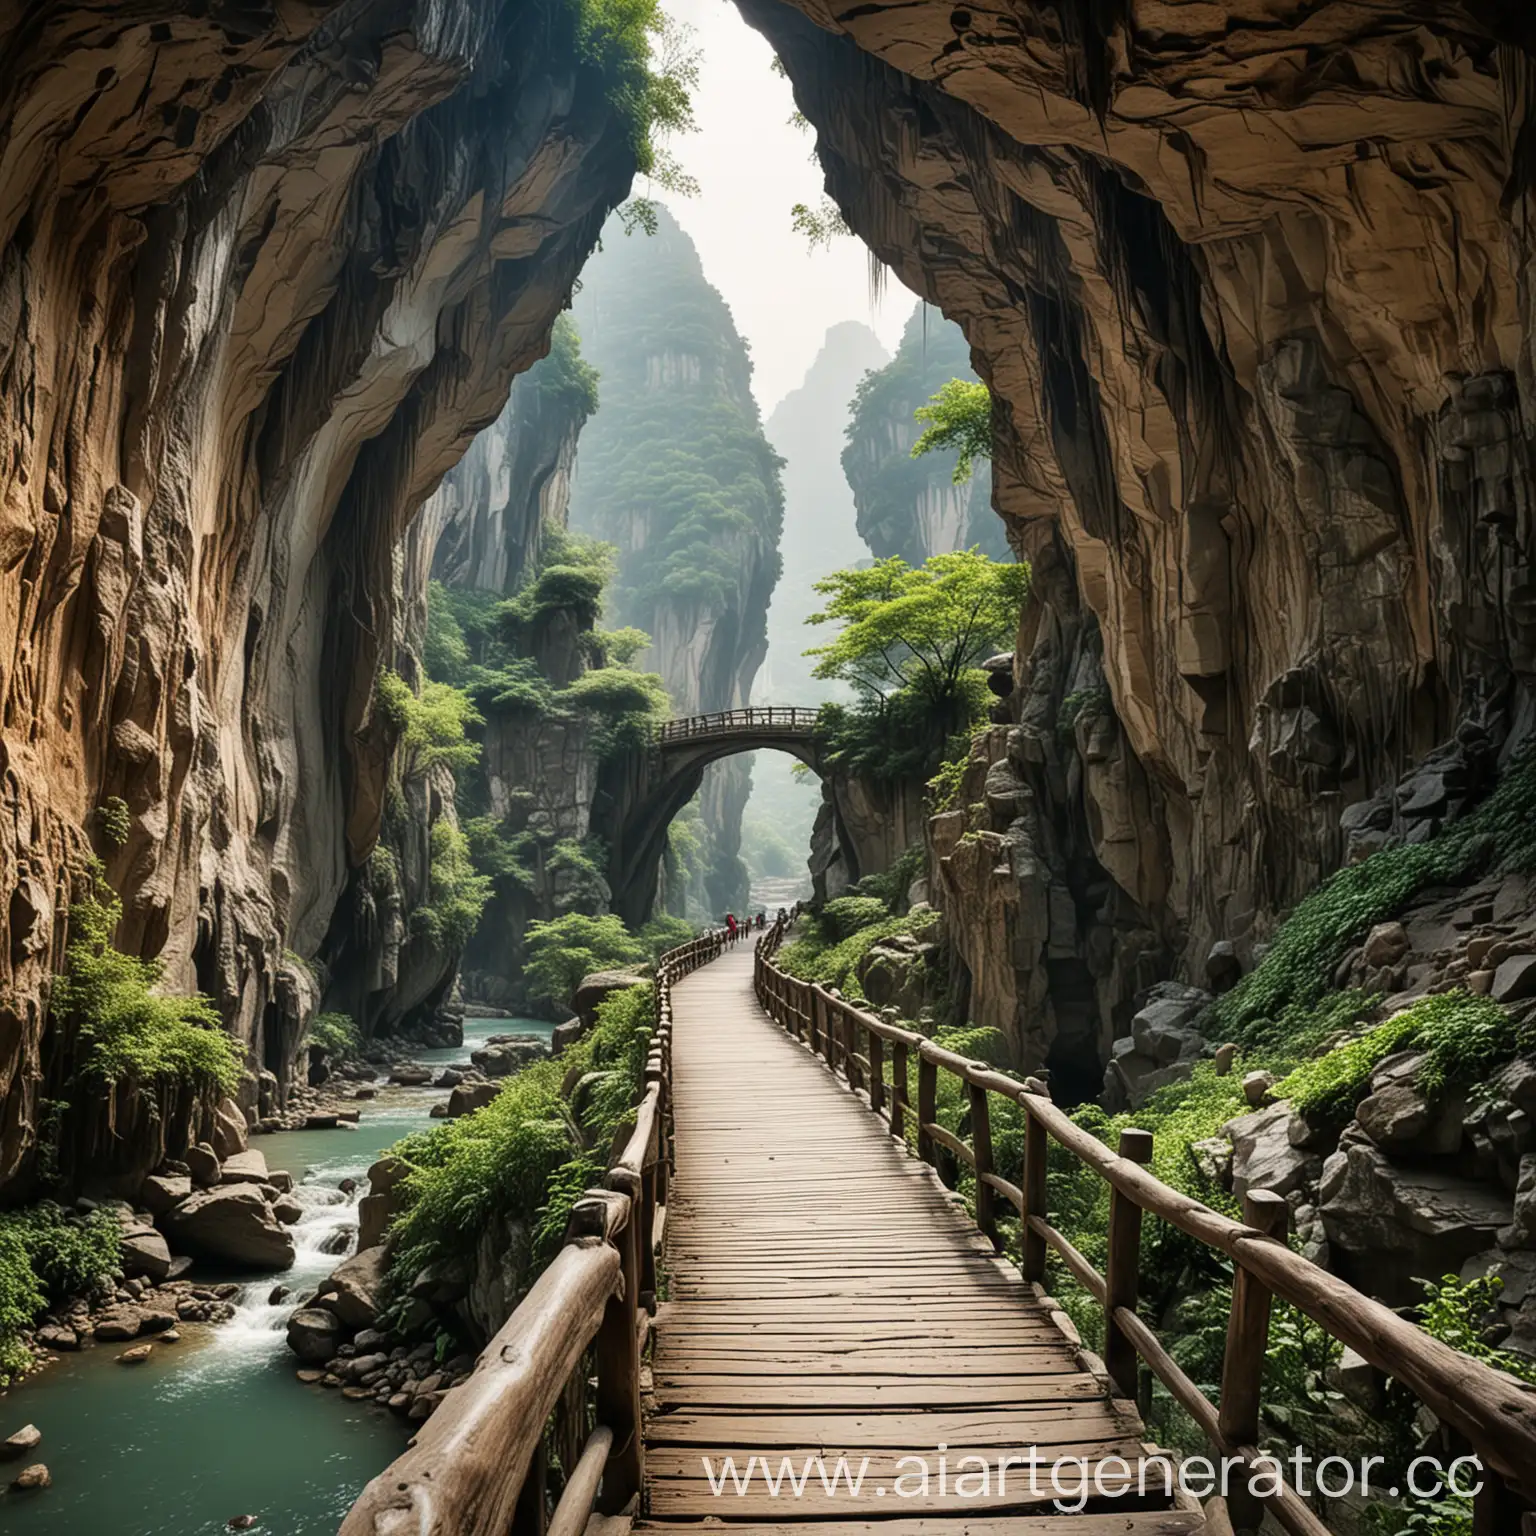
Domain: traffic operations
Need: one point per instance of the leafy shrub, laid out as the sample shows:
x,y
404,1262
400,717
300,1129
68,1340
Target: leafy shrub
x,y
1085,703
336,1034
431,725
525,1156
126,1029
114,819
663,932
457,891
563,950
46,1254
958,416
1463,1036
1273,1003
846,915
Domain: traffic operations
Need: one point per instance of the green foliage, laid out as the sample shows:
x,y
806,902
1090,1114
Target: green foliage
x,y
336,1034
674,468
621,646
766,850
1463,1036
846,915
457,891
820,225
891,885
663,933
910,643
959,418
126,1030
1274,1004
431,725
889,484
564,379
944,787
623,706
47,1254
834,962
528,1155
113,817
563,950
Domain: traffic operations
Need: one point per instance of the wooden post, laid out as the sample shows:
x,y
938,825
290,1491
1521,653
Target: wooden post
x,y
1032,1245
529,1518
927,1106
1242,1367
617,1355
852,1029
1122,1271
981,1149
876,1072
899,1088
645,1211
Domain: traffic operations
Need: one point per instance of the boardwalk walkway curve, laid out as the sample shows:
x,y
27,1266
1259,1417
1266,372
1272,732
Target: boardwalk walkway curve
x,y
827,1297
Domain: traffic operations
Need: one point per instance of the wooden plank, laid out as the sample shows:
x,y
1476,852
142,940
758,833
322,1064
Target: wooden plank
x,y
1123,1523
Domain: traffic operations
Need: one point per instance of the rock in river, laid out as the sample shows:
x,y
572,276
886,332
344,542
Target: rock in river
x,y
22,1443
232,1222
503,1055
314,1334
33,1477
356,1284
145,1252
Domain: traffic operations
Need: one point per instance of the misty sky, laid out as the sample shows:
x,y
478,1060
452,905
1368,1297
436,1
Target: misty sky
x,y
752,168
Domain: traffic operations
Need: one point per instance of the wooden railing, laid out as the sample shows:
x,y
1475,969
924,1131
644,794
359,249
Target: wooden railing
x,y
1494,1412
736,722
477,1466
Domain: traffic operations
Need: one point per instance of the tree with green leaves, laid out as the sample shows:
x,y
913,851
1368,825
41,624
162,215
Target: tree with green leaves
x,y
911,644
958,417
563,950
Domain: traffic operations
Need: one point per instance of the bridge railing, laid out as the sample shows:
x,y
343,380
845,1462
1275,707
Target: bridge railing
x,y
1493,1411
477,1466
729,722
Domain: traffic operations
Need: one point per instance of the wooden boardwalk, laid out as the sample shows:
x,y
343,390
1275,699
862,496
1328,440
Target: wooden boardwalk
x,y
828,1298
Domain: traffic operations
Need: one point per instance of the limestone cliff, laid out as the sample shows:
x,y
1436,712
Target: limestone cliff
x,y
675,471
264,272
1252,295
912,507
820,535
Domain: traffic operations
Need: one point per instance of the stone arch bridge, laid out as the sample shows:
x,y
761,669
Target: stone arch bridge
x,y
647,788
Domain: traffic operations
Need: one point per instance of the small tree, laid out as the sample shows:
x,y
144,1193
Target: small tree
x,y
959,416
563,950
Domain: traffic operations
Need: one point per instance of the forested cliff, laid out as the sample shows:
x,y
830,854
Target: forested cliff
x,y
675,471
912,507
263,275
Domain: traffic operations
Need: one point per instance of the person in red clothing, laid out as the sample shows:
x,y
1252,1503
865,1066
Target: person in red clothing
x,y
730,925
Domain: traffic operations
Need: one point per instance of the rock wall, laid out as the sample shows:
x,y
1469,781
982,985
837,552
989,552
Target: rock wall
x,y
675,471
1253,299
263,274
912,507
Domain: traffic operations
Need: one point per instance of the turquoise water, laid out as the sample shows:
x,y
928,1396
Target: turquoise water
x,y
217,1426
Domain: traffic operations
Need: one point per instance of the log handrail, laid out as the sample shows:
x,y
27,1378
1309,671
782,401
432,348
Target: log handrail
x,y
1495,1412
464,1473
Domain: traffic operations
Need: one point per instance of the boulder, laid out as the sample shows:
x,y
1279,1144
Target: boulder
x,y
1514,979
1263,1155
58,1336
32,1478
1357,1381
1386,944
468,1097
1223,970
160,1191
287,1210
504,1055
1256,1086
356,1285
594,988
22,1443
233,1223
410,1074
229,1132
137,1355
314,1334
1395,1117
566,1034
443,1283
120,1322
1387,1225
1162,1027
145,1252
203,1163
245,1168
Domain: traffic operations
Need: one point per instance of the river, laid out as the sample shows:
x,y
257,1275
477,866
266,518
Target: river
x,y
216,1426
